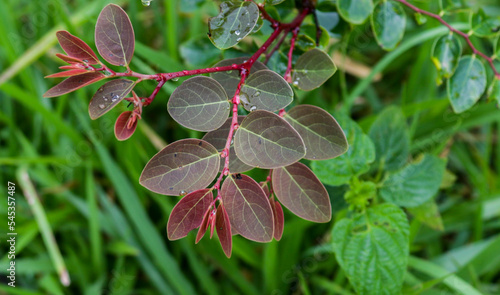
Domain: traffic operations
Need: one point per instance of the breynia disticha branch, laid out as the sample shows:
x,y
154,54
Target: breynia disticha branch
x,y
234,144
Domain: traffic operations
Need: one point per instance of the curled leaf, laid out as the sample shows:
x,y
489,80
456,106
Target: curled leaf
x,y
279,219
124,126
108,96
76,48
73,83
181,167
224,230
114,36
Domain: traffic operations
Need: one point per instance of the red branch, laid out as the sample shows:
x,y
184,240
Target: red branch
x,y
464,35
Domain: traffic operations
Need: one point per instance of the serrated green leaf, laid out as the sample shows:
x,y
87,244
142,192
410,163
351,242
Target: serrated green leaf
x,y
467,84
483,25
230,79
108,96
388,24
389,133
265,90
372,249
267,141
445,55
322,135
428,214
415,184
355,161
234,22
200,103
312,69
355,11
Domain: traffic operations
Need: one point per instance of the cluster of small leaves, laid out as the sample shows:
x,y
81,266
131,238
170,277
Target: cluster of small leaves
x,y
206,172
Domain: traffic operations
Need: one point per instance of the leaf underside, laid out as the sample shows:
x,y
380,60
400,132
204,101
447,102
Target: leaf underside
x,y
108,96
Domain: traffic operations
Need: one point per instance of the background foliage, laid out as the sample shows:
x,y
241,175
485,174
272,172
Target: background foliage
x,y
110,231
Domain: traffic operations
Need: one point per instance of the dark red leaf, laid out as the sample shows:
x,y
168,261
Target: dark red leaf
x,y
108,96
224,230
279,219
265,188
248,208
189,213
122,129
69,59
76,48
208,217
74,72
74,83
114,35
301,192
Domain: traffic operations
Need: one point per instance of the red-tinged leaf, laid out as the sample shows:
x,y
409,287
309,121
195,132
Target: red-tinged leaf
x,y
74,72
183,166
114,36
76,48
279,219
69,59
108,96
301,192
74,83
204,224
224,230
265,188
248,208
122,129
189,213
72,67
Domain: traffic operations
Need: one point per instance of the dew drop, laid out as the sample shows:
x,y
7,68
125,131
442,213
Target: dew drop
x,y
238,39
253,108
102,106
182,193
232,141
146,2
229,72
295,82
256,94
175,79
237,32
115,97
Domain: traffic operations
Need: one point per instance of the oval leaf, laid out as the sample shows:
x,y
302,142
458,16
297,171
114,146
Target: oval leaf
x,y
230,79
108,96
248,208
279,219
446,52
114,36
224,230
75,47
483,25
122,130
301,192
355,11
73,83
415,184
234,22
181,167
265,90
355,161
373,248
312,69
218,139
200,103
188,213
322,135
467,85
267,141
388,23
390,136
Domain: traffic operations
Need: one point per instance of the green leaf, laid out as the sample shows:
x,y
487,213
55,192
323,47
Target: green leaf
x,y
181,167
467,85
355,161
200,103
322,135
390,135
267,141
274,2
388,24
497,47
415,184
199,51
299,190
355,11
310,30
234,22
265,90
372,249
312,69
218,139
428,214
483,25
108,96
494,91
114,36
230,79
248,208
445,55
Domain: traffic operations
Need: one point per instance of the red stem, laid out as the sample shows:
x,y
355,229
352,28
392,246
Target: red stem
x,y
464,35
288,76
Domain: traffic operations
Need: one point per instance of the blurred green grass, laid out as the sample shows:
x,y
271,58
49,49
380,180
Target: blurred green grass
x,y
110,231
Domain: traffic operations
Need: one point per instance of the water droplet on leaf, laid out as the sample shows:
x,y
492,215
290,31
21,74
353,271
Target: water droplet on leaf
x,y
146,2
182,193
237,32
253,108
256,94
244,98
115,97
175,79
102,106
